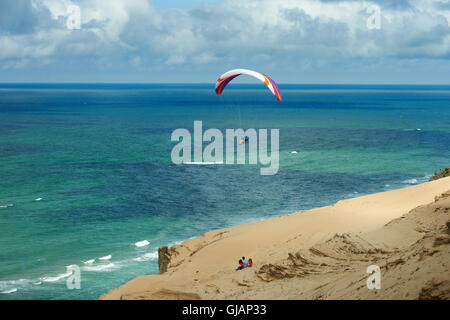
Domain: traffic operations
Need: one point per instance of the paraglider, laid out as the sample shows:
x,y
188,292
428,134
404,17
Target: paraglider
x,y
224,79
245,140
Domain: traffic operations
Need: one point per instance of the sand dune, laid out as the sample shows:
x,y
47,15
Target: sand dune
x,y
317,254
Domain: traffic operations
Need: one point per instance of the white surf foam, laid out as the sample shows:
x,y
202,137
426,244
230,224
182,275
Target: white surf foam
x,y
294,152
142,243
410,181
11,286
100,268
147,256
108,257
89,261
423,179
57,278
38,199
9,291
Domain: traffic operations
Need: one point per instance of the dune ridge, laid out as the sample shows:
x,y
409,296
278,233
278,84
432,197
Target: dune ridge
x,y
321,253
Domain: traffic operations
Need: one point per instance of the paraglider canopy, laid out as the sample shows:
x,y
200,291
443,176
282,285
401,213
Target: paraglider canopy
x,y
230,75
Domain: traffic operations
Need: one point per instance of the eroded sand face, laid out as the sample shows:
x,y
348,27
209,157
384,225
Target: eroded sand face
x,y
318,254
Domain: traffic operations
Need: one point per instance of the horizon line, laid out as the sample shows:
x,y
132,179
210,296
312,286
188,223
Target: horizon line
x,y
243,83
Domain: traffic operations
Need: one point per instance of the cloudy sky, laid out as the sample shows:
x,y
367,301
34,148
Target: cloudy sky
x,y
294,41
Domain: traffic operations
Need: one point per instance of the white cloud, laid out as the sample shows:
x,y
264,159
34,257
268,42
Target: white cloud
x,y
232,30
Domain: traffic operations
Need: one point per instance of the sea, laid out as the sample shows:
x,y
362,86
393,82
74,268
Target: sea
x,y
86,170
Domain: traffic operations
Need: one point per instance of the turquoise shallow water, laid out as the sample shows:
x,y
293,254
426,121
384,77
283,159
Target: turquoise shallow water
x,y
99,157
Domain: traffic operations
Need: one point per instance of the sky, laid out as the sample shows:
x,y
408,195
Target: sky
x,y
179,41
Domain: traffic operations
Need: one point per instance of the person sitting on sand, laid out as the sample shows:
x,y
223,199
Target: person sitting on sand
x,y
241,265
250,262
245,262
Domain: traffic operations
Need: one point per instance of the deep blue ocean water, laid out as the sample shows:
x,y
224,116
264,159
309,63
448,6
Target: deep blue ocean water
x,y
99,157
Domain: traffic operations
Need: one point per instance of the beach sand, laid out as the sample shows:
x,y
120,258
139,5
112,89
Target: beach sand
x,y
317,254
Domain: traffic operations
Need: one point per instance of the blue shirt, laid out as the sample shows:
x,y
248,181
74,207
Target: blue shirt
x,y
245,263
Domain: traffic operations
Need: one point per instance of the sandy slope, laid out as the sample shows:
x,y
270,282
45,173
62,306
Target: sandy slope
x,y
318,254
